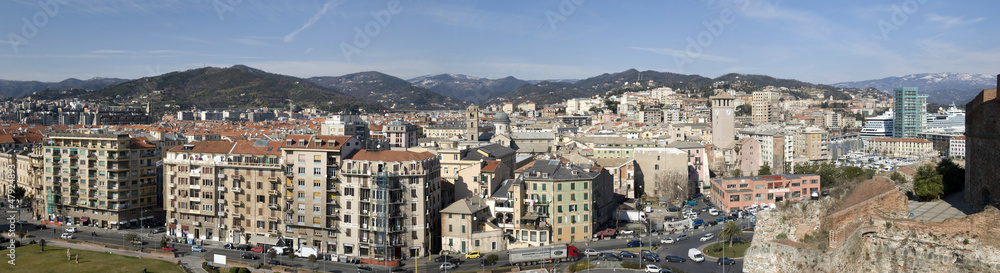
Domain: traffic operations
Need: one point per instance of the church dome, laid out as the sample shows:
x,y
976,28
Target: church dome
x,y
501,117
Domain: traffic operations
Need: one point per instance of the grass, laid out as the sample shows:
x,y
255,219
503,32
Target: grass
x,y
30,259
736,251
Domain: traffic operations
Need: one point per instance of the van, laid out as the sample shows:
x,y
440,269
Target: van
x,y
304,252
280,250
696,255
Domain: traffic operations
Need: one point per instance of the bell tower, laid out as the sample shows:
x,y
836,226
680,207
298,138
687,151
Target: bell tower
x,y
472,122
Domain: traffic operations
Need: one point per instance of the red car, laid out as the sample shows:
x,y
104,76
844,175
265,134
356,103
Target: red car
x,y
168,249
257,249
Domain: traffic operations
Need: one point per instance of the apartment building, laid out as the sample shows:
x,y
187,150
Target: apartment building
x,y
402,135
765,107
466,227
99,179
560,202
735,193
956,147
312,189
901,147
391,205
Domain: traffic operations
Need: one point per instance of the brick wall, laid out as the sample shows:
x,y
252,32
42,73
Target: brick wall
x,y
876,196
982,155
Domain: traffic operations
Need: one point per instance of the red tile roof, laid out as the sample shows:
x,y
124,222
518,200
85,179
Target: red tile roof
x,y
389,155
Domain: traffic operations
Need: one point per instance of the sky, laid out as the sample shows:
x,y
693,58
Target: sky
x,y
813,41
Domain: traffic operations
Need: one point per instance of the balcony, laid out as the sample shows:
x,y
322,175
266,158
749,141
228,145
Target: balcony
x,y
195,199
239,204
222,214
222,189
221,176
274,206
170,173
237,189
194,186
197,224
173,220
222,201
172,197
273,180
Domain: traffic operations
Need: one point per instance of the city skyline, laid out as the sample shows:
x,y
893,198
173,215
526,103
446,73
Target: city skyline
x,y
815,42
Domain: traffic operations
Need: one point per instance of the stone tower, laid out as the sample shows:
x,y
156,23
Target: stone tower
x,y
723,120
472,122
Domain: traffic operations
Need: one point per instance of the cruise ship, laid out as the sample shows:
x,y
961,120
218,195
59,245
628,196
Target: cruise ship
x,y
875,127
949,120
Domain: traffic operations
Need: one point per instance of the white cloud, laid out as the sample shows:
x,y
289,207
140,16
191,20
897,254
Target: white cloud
x,y
109,51
316,17
685,54
948,21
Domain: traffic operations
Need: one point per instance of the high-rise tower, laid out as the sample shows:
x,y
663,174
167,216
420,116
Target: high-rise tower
x,y
723,120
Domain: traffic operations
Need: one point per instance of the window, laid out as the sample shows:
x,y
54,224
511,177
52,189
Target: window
x,y
656,167
572,186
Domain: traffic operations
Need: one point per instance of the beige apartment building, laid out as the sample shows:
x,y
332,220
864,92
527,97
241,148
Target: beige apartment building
x,y
466,227
99,179
391,205
764,107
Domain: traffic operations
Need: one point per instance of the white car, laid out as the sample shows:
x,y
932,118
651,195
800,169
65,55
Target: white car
x,y
707,237
626,232
591,252
71,230
667,240
67,236
447,266
652,268
713,212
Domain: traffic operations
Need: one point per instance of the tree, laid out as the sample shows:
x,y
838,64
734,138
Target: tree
x,y
737,173
271,254
744,110
312,258
952,176
612,105
492,258
731,232
898,178
18,193
927,183
290,254
764,170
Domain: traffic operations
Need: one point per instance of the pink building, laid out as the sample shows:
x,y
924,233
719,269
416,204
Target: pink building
x,y
734,193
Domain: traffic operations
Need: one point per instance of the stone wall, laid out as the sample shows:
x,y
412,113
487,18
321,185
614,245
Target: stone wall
x,y
876,196
981,152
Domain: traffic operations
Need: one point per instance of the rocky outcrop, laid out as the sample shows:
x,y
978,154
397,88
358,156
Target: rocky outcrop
x,y
872,240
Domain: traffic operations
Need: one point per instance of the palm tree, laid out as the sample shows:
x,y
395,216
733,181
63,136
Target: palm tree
x,y
731,232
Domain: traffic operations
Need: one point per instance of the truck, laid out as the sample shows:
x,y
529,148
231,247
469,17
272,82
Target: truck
x,y
547,254
304,252
696,255
631,216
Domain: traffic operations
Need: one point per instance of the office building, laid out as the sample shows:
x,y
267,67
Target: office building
x,y
909,112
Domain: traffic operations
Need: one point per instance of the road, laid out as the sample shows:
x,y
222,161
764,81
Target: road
x,y
117,237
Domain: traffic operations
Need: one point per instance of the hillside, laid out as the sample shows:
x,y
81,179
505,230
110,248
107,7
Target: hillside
x,y
392,92
940,88
634,80
234,87
468,88
21,88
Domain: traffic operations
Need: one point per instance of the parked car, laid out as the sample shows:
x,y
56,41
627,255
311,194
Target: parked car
x,y
442,258
626,232
712,223
726,261
713,211
67,236
647,252
707,237
674,259
243,248
196,248
681,237
454,260
667,240
249,256
673,208
664,270
158,230
652,268
591,252
71,230
611,257
650,258
257,249
447,266
633,243
274,262
228,246
473,255
364,268
625,254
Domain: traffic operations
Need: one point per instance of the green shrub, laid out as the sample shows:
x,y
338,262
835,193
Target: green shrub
x,y
631,265
244,270
235,269
782,236
256,265
492,258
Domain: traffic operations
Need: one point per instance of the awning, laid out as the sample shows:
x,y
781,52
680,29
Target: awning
x,y
331,243
113,223
133,220
84,219
173,226
530,217
183,227
348,245
264,240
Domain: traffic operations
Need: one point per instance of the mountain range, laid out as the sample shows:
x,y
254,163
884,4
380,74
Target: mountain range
x,y
21,88
241,86
940,88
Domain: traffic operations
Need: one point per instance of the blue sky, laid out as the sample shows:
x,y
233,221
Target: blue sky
x,y
815,41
